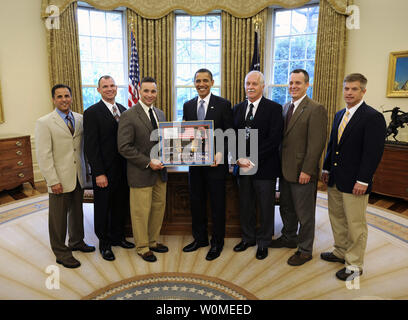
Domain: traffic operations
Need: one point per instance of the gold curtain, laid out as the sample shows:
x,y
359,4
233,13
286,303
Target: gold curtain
x,y
154,43
160,8
329,61
238,38
63,55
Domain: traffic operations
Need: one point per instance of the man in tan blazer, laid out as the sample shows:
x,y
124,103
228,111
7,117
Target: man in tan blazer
x,y
303,141
59,148
147,177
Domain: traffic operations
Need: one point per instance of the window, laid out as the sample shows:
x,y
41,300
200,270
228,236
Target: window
x,y
102,42
293,47
198,45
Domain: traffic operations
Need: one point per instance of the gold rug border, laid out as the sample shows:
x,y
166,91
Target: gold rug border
x,y
225,283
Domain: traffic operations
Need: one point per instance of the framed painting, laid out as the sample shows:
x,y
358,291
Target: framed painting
x,y
398,75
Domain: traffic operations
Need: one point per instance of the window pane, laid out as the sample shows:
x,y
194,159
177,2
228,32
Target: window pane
x,y
282,48
122,96
183,74
215,70
298,48
87,73
183,27
297,65
282,23
85,48
309,92
114,25
98,25
213,51
116,71
279,94
310,70
89,97
280,73
99,49
183,51
198,27
83,22
99,69
311,47
300,21
213,26
115,50
198,52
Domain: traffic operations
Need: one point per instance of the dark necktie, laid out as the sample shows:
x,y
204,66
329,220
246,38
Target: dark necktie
x,y
289,114
250,115
115,113
248,122
70,125
152,119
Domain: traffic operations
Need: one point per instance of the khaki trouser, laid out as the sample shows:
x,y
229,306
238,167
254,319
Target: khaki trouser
x,y
347,213
147,207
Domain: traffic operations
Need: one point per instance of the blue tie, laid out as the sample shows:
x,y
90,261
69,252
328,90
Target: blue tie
x,y
201,111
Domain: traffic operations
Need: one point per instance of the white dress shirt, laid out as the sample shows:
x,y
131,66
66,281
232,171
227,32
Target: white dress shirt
x,y
256,104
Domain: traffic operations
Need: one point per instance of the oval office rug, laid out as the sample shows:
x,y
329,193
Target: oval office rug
x,y
172,286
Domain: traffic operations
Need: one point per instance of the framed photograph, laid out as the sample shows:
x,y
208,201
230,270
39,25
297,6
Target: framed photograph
x,y
187,143
398,75
1,108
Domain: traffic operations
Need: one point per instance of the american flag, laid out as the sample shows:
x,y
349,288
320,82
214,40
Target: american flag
x,y
134,77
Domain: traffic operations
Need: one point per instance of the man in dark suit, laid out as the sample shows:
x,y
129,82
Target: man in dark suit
x,y
108,168
354,151
147,176
203,179
303,142
266,116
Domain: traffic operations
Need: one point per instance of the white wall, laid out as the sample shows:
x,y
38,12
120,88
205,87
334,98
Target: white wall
x,y
383,29
23,68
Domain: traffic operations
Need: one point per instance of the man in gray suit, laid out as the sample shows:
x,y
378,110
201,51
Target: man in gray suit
x,y
147,177
59,147
303,141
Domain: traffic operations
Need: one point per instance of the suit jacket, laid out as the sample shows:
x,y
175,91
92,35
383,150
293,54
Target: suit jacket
x,y
304,140
269,122
100,140
357,155
219,110
60,154
134,144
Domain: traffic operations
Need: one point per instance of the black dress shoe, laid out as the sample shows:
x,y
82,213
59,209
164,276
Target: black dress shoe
x,y
148,256
346,274
193,246
242,246
70,262
261,253
329,256
83,248
299,258
282,243
214,253
107,254
124,244
160,248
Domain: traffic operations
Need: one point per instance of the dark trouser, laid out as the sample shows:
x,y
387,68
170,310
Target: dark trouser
x,y
251,192
111,207
200,183
298,205
65,210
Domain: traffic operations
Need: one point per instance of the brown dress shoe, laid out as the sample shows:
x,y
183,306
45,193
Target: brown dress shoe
x,y
299,258
69,262
148,256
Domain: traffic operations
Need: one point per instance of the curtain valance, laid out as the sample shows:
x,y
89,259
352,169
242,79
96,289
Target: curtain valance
x,y
159,8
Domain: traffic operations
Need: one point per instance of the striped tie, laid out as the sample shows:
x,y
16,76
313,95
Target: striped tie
x,y
342,126
115,113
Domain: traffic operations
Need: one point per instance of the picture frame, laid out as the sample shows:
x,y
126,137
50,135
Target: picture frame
x,y
1,108
187,143
397,85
